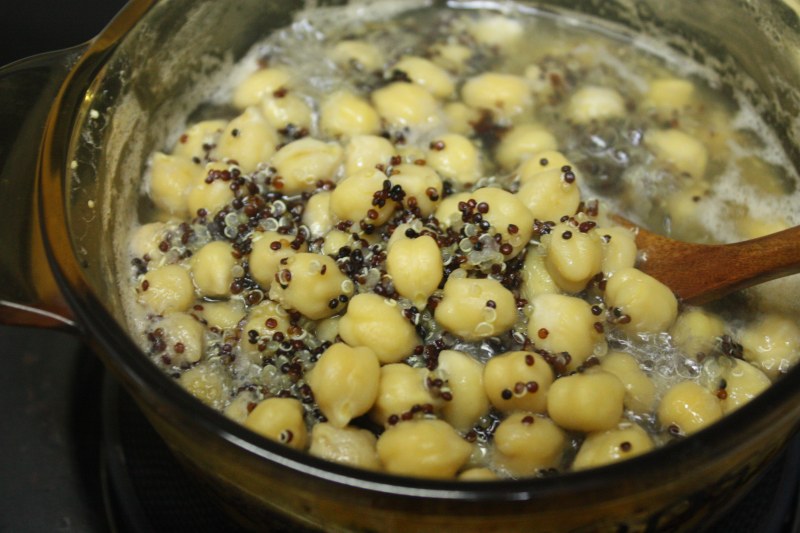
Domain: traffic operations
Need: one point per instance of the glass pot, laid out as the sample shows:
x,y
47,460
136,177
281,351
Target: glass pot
x,y
69,198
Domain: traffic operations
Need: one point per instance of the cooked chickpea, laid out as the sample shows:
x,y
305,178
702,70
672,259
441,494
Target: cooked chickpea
x,y
194,141
465,399
518,381
743,382
249,140
335,240
378,323
772,344
416,268
573,257
363,55
561,323
171,180
317,214
504,95
185,338
668,96
259,84
689,407
167,289
269,249
206,384
146,238
696,331
345,382
543,162
619,248
678,150
400,389
508,216
350,446
522,142
312,284
221,315
613,445
535,277
527,442
455,158
263,321
595,104
422,187
423,448
284,110
648,304
281,420
448,213
212,269
459,118
548,195
588,402
497,31
427,75
302,163
343,114
406,105
451,56
211,196
477,474
684,208
367,152
352,198
476,308
237,409
640,391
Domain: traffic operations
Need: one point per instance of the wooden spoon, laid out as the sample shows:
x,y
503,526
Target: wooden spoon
x,y
700,273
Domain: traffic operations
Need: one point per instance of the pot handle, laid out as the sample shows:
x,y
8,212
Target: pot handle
x,y
29,295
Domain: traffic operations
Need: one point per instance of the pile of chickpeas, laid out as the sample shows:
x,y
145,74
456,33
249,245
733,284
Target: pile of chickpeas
x,y
405,273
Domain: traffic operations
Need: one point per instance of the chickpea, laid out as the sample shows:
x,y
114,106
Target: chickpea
x,y
423,448
317,214
367,152
459,118
311,284
281,420
207,384
221,315
668,96
194,140
302,163
743,382
284,110
422,187
269,249
259,84
611,446
548,195
535,277
350,446
146,238
498,32
679,151
508,216
448,213
573,257
595,104
171,180
772,344
185,338
212,194
400,389
345,382
465,399
505,95
696,331
416,268
264,320
528,442
588,402
455,158
560,323
689,407
406,105
212,269
427,75
619,249
451,56
249,140
167,289
361,55
522,142
476,308
352,198
378,323
477,474
640,391
648,304
544,161
343,114
518,381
